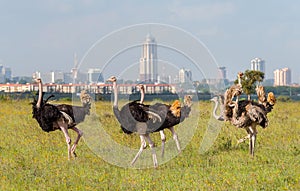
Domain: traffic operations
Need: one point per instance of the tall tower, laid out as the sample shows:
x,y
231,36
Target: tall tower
x,y
185,75
282,77
222,73
258,64
74,70
148,61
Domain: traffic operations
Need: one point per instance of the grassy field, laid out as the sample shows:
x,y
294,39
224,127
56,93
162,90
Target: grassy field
x,y
31,159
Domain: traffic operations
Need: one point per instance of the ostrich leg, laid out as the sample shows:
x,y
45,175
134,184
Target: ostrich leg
x,y
79,135
252,139
252,144
151,144
175,137
243,139
143,146
64,129
163,141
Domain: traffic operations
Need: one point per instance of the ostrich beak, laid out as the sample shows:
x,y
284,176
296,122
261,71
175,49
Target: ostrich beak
x,y
37,80
112,79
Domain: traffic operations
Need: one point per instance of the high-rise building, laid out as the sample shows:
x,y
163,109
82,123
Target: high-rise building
x,y
185,75
74,70
258,64
222,73
5,74
95,76
53,77
282,77
36,74
148,61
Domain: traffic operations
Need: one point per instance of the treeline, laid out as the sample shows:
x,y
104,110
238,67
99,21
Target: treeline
x,y
283,93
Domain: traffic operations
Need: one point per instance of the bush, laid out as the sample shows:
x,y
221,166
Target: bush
x,y
284,98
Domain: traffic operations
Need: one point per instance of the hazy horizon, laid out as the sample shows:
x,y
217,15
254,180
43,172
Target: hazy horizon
x,y
44,35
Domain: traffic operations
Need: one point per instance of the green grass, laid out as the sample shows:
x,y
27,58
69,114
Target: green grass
x,y
31,159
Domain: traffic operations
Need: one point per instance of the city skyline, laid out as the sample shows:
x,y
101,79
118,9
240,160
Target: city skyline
x,y
44,35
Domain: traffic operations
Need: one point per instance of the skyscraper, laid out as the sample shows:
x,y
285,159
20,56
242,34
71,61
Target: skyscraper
x,y
282,77
148,61
258,64
185,75
95,75
222,73
5,74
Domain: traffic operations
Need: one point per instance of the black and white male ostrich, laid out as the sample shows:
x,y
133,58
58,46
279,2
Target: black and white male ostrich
x,y
172,116
60,117
245,114
136,117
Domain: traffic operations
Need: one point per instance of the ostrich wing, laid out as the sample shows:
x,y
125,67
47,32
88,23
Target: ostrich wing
x,y
257,114
46,116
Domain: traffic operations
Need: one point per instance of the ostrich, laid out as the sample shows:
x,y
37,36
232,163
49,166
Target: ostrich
x,y
245,114
133,118
76,115
172,114
145,119
50,118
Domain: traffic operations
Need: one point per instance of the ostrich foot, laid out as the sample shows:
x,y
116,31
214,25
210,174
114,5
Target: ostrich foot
x,y
74,154
73,151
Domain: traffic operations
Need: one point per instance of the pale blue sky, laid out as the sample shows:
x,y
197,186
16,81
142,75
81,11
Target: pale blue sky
x,y
44,34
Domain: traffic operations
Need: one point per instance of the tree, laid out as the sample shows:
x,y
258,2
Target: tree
x,y
249,81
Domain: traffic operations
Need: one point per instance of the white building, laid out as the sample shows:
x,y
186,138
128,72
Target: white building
x,y
148,61
222,73
53,77
95,75
5,74
185,75
282,77
258,64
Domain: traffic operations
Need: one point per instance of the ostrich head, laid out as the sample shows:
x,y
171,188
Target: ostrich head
x,y
187,106
86,100
85,97
175,108
261,94
112,79
271,98
240,75
142,91
188,100
141,87
38,80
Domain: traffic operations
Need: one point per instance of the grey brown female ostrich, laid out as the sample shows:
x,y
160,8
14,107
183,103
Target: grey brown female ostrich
x,y
58,117
245,114
145,119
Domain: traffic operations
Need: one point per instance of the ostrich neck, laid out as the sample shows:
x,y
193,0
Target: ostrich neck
x,y
218,117
38,104
142,95
215,110
115,88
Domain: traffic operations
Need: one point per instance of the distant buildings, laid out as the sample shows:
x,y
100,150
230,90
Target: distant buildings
x,y
282,77
258,64
94,76
222,73
148,61
185,75
5,74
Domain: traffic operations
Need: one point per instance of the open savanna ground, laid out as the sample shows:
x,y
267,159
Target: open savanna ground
x,y
31,159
